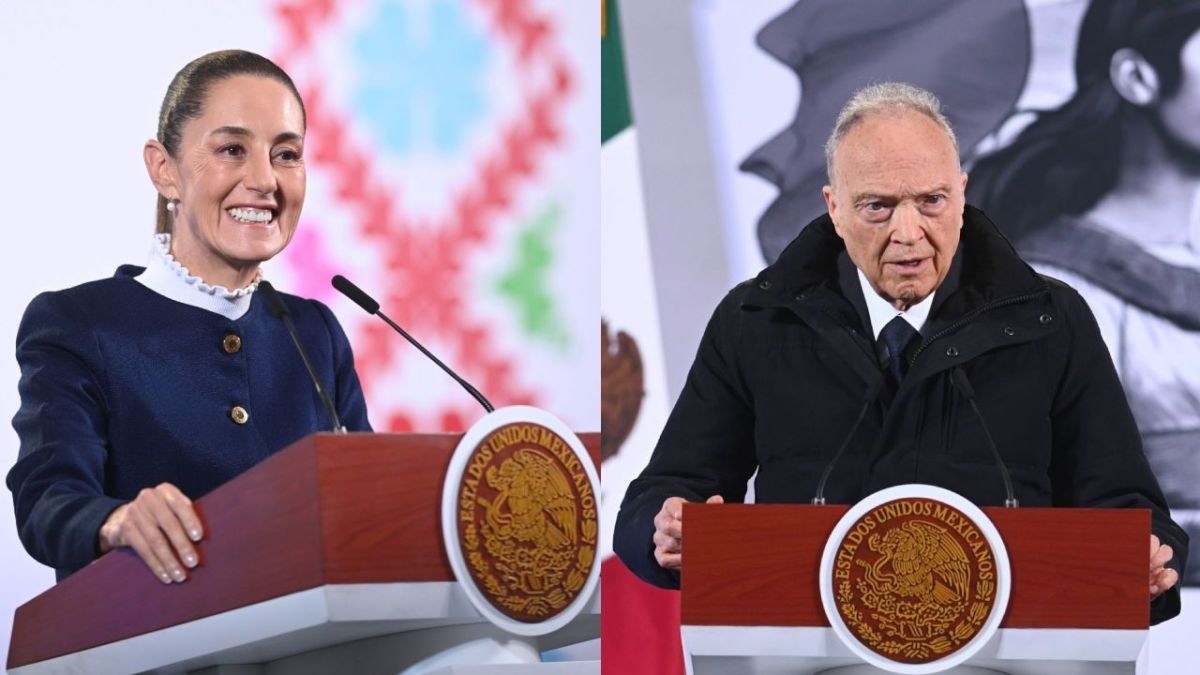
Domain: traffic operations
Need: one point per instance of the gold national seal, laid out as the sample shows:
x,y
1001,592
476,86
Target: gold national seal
x,y
914,580
527,521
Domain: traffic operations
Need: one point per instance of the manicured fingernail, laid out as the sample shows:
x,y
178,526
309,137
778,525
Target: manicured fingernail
x,y
189,560
178,574
165,578
194,534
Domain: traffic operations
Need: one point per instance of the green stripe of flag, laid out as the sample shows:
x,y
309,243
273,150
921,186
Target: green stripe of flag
x,y
615,115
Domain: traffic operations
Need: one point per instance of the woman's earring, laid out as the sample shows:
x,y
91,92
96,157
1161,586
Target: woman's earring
x,y
171,206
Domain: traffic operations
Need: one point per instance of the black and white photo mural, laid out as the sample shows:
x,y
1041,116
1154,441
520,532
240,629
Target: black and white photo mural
x,y
1078,124
1079,127
1103,192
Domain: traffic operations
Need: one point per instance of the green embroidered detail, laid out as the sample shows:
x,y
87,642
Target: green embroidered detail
x,y
526,280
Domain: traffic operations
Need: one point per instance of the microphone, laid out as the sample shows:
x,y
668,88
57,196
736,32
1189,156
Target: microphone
x,y
872,392
959,378
369,304
279,310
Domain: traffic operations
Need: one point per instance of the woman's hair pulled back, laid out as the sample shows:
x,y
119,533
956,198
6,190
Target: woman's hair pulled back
x,y
186,96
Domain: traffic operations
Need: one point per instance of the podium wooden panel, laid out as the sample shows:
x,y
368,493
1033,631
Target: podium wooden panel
x,y
1081,572
328,510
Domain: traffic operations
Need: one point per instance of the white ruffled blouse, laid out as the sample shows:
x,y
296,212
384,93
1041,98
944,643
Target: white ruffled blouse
x,y
168,277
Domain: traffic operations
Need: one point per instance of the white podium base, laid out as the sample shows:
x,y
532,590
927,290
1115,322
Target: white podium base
x,y
873,670
412,628
774,650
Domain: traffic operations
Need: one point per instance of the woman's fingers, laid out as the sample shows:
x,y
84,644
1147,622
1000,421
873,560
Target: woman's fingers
x,y
177,519
148,526
133,539
182,506
160,525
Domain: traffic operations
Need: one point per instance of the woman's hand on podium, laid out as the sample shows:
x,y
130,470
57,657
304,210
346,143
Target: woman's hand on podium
x,y
160,526
1161,578
668,531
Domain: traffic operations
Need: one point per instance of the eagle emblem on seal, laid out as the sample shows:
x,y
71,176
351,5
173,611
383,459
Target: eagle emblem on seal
x,y
535,503
538,547
914,593
913,579
523,512
919,560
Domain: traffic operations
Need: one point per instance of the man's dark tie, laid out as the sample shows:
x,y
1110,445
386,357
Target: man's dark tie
x,y
898,335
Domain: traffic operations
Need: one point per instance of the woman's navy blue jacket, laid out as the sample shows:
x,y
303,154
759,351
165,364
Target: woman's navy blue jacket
x,y
122,389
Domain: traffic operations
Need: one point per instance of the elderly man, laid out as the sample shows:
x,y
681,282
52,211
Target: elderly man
x,y
901,303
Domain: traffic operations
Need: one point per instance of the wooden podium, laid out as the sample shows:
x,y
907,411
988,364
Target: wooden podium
x,y
751,601
326,557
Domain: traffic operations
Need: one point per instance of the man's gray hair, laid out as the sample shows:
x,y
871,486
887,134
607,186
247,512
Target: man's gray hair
x,y
882,98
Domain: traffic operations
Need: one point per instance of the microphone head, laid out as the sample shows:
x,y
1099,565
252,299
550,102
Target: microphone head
x,y
358,295
275,304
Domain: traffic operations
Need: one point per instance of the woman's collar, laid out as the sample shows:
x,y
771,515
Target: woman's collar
x,y
168,277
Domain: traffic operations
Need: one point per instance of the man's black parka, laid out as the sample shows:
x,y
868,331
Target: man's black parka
x,y
788,358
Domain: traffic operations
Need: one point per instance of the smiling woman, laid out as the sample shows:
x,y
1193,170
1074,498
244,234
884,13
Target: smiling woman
x,y
137,391
233,177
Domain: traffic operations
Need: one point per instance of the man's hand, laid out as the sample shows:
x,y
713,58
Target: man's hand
x,y
668,531
1161,578
160,525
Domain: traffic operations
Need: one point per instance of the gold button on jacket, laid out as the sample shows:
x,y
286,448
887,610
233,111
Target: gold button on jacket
x,y
232,343
239,414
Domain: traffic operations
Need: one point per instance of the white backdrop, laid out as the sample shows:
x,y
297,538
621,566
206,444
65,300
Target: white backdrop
x,y
82,85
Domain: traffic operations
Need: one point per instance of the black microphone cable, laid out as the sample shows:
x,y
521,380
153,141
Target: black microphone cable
x,y
872,393
279,310
959,378
371,306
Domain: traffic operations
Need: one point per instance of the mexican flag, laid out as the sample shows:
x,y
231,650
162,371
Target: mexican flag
x,y
640,623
